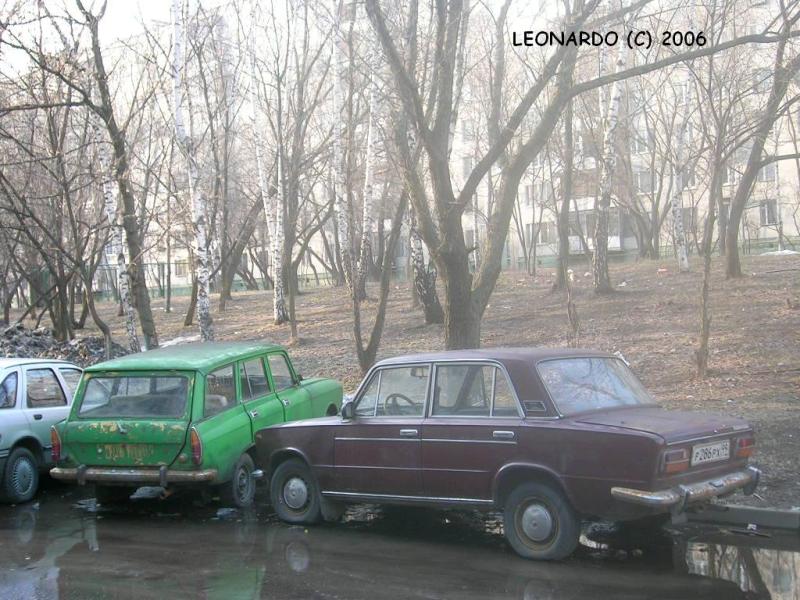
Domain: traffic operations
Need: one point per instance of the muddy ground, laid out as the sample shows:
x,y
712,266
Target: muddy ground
x,y
653,319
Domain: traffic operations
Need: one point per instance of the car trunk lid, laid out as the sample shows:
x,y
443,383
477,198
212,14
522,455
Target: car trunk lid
x,y
673,426
129,420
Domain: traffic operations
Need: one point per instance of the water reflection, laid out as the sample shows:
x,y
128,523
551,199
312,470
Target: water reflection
x,y
70,548
763,572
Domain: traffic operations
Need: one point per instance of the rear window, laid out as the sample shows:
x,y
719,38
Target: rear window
x,y
584,384
158,396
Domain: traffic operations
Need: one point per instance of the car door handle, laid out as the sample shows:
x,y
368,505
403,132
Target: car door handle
x,y
254,414
503,435
409,433
37,417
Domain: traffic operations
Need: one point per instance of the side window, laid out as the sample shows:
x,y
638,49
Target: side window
x,y
402,391
43,389
505,404
281,374
368,400
220,391
71,377
253,379
463,390
8,391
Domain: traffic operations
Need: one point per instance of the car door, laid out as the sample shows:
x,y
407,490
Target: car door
x,y
225,429
470,431
44,401
378,451
295,398
260,400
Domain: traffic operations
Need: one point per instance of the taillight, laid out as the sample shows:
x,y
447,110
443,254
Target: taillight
x,y
676,461
55,445
197,447
745,446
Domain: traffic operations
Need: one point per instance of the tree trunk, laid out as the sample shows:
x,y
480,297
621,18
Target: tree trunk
x,y
602,279
566,195
424,279
185,141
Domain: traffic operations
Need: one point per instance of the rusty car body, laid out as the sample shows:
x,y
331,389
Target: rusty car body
x,y
551,437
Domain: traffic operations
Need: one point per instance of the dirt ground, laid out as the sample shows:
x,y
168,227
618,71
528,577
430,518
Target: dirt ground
x,y
653,319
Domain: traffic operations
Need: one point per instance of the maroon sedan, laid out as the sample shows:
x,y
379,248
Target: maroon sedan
x,y
550,437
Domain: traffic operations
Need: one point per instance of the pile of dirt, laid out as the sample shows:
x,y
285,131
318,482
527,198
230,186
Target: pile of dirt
x,y
17,341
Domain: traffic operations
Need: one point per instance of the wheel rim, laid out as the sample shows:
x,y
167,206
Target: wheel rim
x,y
243,483
22,477
537,523
295,493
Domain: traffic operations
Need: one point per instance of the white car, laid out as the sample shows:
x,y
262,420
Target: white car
x,y
34,395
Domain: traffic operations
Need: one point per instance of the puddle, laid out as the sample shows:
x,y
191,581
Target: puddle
x,y
69,547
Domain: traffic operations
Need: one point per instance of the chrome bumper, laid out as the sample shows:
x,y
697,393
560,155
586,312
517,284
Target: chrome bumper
x,y
162,476
678,498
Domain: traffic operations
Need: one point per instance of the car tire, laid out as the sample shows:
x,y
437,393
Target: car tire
x,y
295,494
111,494
21,476
540,523
240,491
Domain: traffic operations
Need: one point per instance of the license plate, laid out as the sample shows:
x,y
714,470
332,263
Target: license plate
x,y
704,453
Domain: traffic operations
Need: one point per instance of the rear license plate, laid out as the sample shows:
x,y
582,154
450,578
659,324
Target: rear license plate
x,y
704,453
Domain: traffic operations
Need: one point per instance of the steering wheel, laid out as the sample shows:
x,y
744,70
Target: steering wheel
x,y
392,406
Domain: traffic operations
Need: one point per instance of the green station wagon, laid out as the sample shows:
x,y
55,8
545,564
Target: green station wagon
x,y
183,415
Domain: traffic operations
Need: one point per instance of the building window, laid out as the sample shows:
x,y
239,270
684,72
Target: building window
x,y
767,173
529,195
768,212
548,233
181,269
643,181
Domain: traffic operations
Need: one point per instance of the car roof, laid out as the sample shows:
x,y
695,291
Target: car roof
x,y
6,363
505,356
199,356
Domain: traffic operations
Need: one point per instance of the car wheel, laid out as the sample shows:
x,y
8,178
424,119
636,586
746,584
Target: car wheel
x,y
111,494
540,522
294,493
240,491
21,477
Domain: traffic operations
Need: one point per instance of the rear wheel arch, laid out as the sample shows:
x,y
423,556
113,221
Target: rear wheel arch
x,y
512,476
34,446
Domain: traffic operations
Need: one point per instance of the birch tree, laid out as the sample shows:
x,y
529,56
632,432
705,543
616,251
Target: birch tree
x,y
602,280
184,137
116,239
273,215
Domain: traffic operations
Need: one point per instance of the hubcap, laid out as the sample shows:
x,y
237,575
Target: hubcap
x,y
537,522
22,477
243,483
295,493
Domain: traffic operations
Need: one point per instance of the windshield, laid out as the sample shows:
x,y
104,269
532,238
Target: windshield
x,y
156,396
583,384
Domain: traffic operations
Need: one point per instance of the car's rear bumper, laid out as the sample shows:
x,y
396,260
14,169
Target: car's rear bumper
x,y
678,498
162,476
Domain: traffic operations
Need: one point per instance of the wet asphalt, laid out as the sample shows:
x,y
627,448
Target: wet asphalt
x,y
64,545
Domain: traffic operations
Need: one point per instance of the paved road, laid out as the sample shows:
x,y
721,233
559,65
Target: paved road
x,y
65,546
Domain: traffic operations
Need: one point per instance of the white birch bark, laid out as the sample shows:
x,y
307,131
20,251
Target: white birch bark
x,y
602,281
117,238
339,203
676,202
368,208
279,311
184,137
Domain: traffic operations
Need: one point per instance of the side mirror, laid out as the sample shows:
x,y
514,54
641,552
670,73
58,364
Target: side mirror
x,y
348,411
300,378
